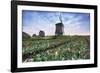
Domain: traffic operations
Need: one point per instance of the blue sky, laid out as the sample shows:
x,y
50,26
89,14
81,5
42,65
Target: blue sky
x,y
74,23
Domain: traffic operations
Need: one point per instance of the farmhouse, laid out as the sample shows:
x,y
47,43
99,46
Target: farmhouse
x,y
25,35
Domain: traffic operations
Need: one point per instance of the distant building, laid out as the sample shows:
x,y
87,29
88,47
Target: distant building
x,y
59,29
41,33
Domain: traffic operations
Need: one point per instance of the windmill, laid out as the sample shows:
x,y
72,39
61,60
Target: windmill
x,y
59,27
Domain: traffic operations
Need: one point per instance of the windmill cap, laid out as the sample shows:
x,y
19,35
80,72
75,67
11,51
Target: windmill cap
x,y
61,24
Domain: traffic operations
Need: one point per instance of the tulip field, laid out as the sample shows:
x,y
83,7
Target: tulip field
x,y
56,49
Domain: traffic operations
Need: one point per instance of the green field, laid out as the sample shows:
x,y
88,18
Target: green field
x,y
50,48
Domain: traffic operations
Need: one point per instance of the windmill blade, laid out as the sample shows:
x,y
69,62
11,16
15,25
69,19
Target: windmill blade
x,y
60,17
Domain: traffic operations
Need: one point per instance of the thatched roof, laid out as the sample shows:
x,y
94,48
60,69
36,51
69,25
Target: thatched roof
x,y
25,35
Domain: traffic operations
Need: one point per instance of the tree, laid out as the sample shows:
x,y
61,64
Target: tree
x,y
41,33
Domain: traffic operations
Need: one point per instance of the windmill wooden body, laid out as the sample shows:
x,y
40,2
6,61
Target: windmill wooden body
x,y
59,27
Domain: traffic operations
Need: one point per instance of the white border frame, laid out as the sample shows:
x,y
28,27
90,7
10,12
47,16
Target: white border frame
x,y
52,63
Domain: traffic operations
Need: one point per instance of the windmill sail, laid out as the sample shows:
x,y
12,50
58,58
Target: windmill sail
x,y
60,17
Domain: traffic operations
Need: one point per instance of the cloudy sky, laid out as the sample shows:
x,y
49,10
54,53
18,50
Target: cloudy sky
x,y
74,23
